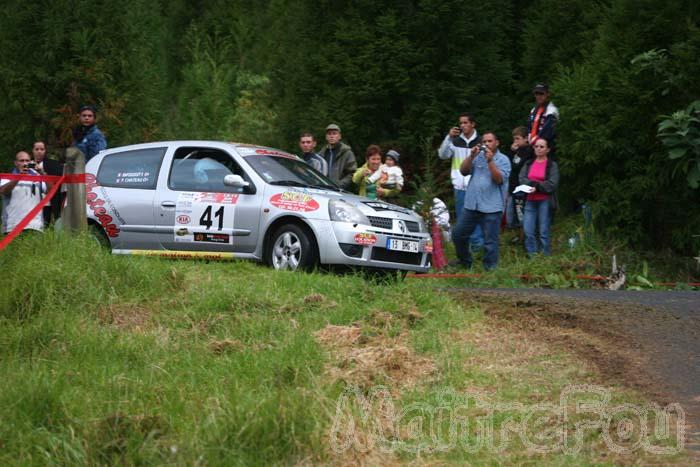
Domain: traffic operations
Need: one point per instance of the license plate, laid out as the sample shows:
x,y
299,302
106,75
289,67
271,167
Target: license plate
x,y
402,245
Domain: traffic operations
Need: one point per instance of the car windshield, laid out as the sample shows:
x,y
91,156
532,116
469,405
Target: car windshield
x,y
287,171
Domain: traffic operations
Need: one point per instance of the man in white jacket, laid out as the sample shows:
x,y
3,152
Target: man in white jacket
x,y
457,146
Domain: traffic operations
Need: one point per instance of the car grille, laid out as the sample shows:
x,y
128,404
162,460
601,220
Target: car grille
x,y
382,254
388,223
381,222
412,226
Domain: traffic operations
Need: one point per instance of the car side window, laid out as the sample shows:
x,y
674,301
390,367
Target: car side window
x,y
204,169
131,169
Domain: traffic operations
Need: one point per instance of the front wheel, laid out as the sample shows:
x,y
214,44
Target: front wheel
x,y
292,249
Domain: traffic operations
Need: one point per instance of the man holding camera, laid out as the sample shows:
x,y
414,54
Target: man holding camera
x,y
484,200
21,196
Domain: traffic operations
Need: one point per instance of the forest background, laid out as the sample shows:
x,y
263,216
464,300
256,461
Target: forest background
x,y
625,75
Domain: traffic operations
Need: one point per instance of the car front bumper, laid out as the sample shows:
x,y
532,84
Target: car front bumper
x,y
367,246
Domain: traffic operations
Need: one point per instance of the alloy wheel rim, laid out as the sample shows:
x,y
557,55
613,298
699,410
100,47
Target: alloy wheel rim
x,y
286,252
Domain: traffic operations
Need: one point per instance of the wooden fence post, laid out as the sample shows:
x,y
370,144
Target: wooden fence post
x,y
74,217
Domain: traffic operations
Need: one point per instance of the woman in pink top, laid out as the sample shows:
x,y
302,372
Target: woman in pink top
x,y
542,173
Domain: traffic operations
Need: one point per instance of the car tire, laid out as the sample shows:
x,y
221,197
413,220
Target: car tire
x,y
100,237
292,248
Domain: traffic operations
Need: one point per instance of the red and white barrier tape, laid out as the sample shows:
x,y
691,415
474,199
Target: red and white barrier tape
x,y
57,180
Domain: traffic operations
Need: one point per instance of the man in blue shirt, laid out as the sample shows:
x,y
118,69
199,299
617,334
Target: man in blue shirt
x,y
86,136
484,200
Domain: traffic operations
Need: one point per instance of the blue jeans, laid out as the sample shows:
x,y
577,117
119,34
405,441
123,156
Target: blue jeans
x,y
476,240
537,216
466,224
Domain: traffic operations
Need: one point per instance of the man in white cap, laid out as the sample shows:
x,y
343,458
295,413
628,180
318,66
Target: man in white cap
x,y
340,158
543,119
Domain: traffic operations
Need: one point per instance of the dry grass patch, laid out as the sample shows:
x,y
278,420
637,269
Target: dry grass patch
x,y
501,348
339,336
126,316
314,301
370,356
226,345
383,361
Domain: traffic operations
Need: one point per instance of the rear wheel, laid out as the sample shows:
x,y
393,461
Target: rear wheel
x,y
292,248
100,237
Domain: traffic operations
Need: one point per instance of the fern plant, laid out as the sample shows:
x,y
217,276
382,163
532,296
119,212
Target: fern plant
x,y
680,134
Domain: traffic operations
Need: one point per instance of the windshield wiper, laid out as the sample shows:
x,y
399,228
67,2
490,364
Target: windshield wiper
x,y
305,185
325,187
288,183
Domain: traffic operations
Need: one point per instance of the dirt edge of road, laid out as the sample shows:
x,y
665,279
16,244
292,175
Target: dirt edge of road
x,y
623,343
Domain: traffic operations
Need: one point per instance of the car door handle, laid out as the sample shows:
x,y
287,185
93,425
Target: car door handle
x,y
168,204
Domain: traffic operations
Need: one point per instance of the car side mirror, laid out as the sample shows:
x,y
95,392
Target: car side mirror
x,y
235,181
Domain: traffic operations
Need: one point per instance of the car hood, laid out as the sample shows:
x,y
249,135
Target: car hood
x,y
367,206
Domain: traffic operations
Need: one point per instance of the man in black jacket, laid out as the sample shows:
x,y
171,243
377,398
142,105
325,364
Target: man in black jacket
x,y
521,152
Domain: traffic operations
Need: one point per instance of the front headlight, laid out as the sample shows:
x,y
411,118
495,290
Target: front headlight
x,y
343,211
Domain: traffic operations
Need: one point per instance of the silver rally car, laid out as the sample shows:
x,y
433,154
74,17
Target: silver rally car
x,y
227,200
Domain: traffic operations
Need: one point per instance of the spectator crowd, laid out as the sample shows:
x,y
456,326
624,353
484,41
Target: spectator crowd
x,y
19,197
517,188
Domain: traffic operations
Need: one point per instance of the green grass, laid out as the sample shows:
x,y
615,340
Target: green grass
x,y
108,359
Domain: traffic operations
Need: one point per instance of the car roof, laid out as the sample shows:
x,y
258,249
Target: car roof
x,y
244,149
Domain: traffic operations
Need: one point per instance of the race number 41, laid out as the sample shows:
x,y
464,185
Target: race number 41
x,y
205,217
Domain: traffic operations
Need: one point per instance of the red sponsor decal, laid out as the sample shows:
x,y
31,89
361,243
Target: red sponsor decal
x,y
183,219
222,198
365,239
294,201
96,204
211,237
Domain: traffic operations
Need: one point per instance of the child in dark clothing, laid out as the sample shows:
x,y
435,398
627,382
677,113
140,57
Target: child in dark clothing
x,y
521,152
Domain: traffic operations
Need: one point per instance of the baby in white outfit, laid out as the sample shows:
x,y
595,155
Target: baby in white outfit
x,y
389,174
